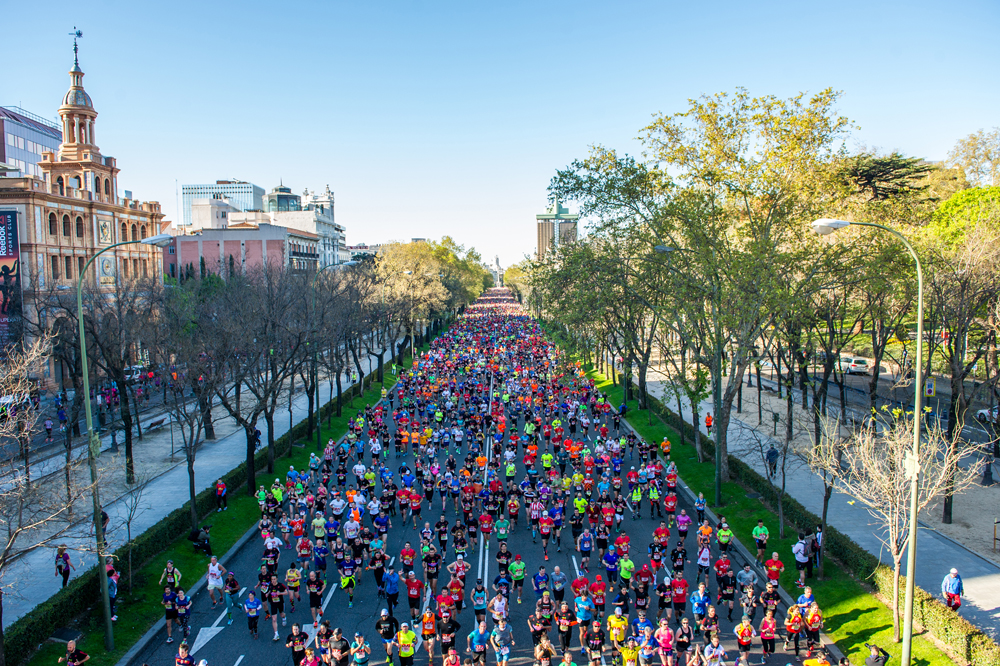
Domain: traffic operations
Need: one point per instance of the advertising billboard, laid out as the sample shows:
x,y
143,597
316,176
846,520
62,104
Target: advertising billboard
x,y
11,323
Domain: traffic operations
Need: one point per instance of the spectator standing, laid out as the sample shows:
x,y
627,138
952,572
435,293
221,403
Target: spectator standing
x,y
221,502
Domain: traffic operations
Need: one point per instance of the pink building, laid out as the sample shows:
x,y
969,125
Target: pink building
x,y
244,246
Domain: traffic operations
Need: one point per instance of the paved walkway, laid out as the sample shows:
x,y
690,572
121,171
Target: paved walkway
x,y
936,554
32,577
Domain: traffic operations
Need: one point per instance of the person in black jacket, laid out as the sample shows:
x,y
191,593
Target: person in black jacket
x,y
878,657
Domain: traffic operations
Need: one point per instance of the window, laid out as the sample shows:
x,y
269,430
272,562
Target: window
x,y
173,269
142,232
145,268
62,186
11,140
125,268
107,187
55,268
66,231
79,227
69,268
135,268
80,261
53,225
171,250
135,233
124,236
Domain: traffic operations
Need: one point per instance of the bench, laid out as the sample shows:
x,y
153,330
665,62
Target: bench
x,y
156,424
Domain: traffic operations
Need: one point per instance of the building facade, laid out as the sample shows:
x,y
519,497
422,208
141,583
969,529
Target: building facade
x,y
246,244
73,210
239,194
312,212
556,227
24,136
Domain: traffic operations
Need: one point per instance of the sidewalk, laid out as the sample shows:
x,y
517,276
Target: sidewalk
x,y
936,554
32,577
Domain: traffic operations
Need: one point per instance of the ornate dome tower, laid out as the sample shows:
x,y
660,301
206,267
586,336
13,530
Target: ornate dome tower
x,y
78,118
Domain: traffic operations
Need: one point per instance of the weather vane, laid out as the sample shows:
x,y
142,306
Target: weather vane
x,y
76,34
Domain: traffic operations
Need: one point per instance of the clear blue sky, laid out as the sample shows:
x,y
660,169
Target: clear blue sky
x,y
432,118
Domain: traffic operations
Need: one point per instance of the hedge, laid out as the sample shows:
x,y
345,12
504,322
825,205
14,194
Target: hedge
x,y
21,638
960,636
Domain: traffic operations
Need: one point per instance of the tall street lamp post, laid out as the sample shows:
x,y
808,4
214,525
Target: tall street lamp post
x,y
716,371
315,354
93,442
825,227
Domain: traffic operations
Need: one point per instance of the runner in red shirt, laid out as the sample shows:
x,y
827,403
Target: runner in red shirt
x,y
679,591
774,567
598,591
414,594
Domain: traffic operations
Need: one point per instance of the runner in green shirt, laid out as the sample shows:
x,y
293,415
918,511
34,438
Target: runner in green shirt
x,y
502,528
516,569
547,459
724,535
760,536
625,569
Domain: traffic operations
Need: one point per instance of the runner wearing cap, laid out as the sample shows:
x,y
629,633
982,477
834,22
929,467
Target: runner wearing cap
x,y
387,626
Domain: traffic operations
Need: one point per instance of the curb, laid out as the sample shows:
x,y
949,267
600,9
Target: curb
x,y
746,557
150,636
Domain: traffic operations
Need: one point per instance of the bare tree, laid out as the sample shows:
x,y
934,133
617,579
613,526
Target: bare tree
x,y
30,516
870,468
136,503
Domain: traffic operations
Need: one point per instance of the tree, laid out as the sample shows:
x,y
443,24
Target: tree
x,y
964,286
978,155
136,503
30,516
868,468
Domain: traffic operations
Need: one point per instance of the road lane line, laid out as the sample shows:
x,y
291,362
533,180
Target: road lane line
x,y
239,660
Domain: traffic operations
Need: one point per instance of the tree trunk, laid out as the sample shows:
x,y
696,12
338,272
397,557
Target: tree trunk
x,y
189,450
248,430
3,657
269,419
340,392
205,404
127,427
138,420
827,494
895,598
311,411
695,420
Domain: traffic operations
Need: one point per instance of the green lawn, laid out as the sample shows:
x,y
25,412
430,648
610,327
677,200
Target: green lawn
x,y
853,616
139,609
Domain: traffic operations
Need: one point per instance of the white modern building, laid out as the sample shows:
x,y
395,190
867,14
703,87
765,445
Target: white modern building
x,y
240,194
313,212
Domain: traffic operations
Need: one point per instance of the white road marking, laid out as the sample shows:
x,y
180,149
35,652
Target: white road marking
x,y
239,660
576,567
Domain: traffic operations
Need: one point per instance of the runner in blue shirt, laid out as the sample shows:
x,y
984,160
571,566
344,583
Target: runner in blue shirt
x,y
252,608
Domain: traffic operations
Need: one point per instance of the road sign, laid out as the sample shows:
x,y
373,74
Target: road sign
x,y
930,387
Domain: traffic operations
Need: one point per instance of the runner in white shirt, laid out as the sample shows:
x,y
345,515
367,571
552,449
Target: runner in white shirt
x,y
215,573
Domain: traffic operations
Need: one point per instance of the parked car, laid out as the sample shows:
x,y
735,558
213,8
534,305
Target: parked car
x,y
133,373
854,366
989,415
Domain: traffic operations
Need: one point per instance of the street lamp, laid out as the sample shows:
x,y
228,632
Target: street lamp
x,y
93,443
716,372
319,441
825,227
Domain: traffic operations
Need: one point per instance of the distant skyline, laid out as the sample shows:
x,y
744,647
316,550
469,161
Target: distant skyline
x,y
450,118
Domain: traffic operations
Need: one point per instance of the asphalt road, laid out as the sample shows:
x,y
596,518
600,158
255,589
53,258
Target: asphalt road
x,y
231,645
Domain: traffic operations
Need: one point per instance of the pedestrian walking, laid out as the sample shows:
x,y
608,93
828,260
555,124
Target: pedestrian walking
x,y
952,590
63,564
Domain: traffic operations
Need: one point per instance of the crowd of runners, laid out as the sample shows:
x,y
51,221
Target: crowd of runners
x,y
492,437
